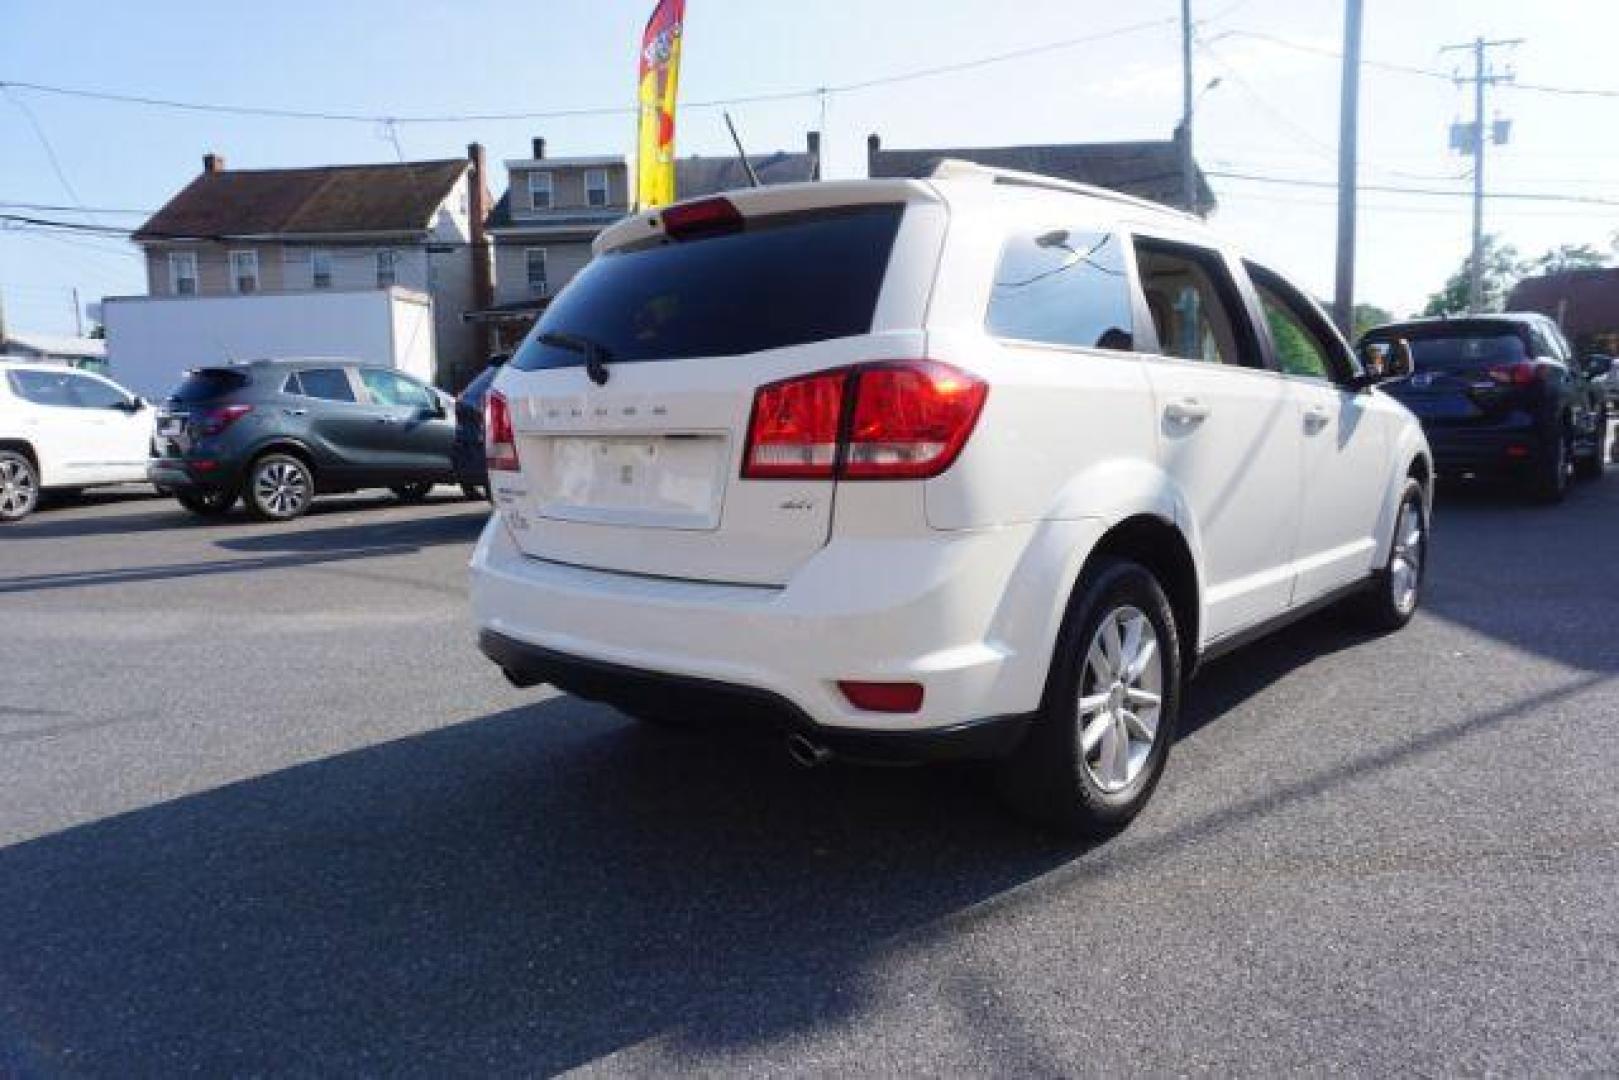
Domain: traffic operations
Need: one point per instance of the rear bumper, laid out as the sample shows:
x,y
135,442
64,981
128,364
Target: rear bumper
x,y
745,708
1502,449
181,474
970,616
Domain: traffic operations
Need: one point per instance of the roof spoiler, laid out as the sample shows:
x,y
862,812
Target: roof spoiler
x,y
959,169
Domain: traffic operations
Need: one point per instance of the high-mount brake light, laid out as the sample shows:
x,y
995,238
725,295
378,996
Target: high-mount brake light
x,y
891,420
500,443
705,217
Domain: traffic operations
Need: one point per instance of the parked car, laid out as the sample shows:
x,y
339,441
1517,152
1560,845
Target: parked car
x,y
1610,380
1502,395
63,430
275,433
471,468
982,466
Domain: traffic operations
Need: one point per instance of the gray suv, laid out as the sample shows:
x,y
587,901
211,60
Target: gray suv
x,y
275,433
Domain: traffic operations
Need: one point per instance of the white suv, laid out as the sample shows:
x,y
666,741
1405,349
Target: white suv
x,y
64,429
981,465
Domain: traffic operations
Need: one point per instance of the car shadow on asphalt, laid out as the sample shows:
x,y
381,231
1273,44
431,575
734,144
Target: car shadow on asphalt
x,y
531,891
59,521
1535,577
461,527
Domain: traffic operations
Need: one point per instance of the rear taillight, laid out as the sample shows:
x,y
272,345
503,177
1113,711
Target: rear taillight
x,y
910,420
214,421
500,444
1522,373
889,697
794,429
900,420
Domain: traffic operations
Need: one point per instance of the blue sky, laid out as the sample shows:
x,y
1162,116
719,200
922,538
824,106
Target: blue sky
x,y
1274,112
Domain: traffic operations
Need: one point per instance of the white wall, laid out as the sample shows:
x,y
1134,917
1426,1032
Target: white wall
x,y
152,341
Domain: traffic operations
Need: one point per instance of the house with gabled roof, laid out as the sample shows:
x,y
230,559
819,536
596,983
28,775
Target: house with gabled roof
x,y
415,226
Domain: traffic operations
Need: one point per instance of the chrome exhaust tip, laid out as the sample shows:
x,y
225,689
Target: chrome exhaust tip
x,y
806,753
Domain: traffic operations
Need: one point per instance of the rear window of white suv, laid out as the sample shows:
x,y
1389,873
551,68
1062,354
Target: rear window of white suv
x,y
785,279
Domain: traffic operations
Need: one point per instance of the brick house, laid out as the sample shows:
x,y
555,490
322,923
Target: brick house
x,y
411,225
1585,304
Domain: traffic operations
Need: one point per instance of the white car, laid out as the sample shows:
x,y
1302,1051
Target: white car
x,y
978,465
65,430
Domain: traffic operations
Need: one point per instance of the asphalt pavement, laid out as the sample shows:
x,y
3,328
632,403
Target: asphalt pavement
x,y
265,809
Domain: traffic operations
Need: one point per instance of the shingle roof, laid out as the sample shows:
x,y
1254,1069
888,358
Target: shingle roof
x,y
327,199
1147,170
697,176
1585,302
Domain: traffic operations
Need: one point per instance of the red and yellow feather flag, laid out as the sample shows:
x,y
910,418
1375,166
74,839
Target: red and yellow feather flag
x,y
660,77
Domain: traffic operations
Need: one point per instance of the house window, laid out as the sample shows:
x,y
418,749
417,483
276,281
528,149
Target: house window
x,y
320,269
244,271
183,273
539,190
387,269
538,285
595,187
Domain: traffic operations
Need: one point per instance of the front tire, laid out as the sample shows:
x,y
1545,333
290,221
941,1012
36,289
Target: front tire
x,y
280,487
1397,588
1097,748
19,486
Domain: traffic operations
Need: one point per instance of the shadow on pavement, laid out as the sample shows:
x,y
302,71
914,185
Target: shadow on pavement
x,y
532,891
414,533
1538,578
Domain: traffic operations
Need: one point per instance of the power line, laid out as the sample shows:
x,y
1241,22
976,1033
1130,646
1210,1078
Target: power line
x,y
279,113
54,208
1530,196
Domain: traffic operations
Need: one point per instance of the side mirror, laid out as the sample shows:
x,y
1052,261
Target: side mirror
x,y
1384,360
1597,365
437,408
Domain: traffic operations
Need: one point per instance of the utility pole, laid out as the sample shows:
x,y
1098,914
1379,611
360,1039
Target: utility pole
x,y
1188,166
1474,138
1343,294
78,312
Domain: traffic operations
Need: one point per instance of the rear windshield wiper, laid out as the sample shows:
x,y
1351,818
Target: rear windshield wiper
x,y
595,353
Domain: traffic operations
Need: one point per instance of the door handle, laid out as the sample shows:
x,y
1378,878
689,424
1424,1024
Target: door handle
x,y
1316,418
387,420
1186,411
295,412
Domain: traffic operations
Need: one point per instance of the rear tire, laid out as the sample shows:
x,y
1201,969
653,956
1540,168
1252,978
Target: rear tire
x,y
208,504
1098,745
1550,482
1396,590
1590,467
19,486
280,487
413,493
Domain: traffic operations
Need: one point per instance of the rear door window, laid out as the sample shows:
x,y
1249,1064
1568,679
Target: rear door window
x,y
327,384
1063,287
49,388
785,279
1197,312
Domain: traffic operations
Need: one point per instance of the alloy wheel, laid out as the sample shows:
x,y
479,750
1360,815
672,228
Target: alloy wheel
x,y
1405,564
281,488
1121,693
19,491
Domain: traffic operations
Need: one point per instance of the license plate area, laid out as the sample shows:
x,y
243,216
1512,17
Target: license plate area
x,y
669,481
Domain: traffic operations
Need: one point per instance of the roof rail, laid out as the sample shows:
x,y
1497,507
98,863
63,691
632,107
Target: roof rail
x,y
960,169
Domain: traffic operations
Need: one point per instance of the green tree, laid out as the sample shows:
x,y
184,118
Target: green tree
x,y
1368,316
1502,269
1569,257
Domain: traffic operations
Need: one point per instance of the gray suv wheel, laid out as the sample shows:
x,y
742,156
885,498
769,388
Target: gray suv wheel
x,y
279,488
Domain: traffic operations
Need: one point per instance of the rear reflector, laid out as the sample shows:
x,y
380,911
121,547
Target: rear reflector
x,y
500,443
889,697
1517,450
898,420
705,217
